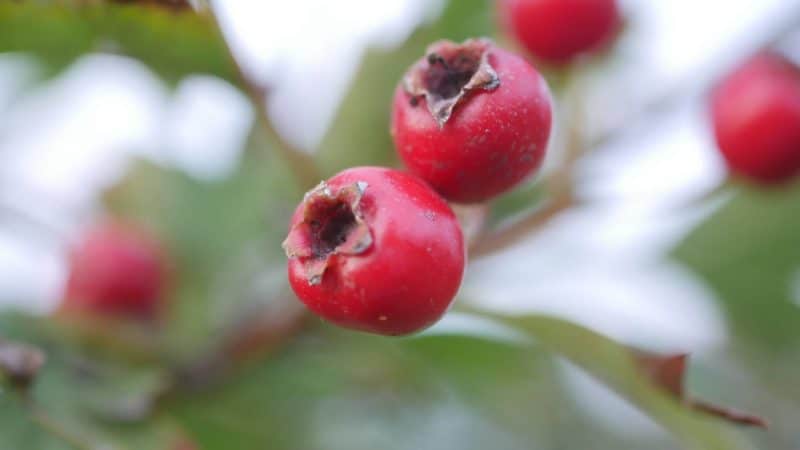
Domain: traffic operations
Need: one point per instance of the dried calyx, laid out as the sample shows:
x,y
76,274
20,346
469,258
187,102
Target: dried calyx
x,y
332,225
448,73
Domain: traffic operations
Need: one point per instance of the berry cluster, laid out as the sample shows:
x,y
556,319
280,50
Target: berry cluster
x,y
380,250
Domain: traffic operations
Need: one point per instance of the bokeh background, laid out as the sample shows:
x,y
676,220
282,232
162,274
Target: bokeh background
x,y
136,111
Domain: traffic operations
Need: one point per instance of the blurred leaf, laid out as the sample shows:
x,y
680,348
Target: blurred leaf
x,y
507,381
749,252
669,372
174,44
270,404
360,133
615,366
20,433
377,392
79,397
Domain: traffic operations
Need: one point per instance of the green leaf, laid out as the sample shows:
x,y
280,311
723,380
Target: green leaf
x,y
615,365
19,432
377,392
270,403
174,44
360,133
749,253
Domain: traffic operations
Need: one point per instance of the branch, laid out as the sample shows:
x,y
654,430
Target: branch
x,y
561,182
252,337
300,163
520,229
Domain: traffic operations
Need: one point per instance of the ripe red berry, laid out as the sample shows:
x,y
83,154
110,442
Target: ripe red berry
x,y
471,119
756,115
375,250
556,31
115,271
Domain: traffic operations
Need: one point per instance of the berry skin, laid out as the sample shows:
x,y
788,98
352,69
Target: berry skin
x,y
471,119
756,115
115,271
375,250
557,31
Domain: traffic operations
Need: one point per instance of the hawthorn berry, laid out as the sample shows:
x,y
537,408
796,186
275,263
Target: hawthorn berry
x,y
756,115
557,31
115,271
376,250
471,119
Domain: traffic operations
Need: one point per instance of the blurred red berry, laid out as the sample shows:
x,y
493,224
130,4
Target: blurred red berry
x,y
471,119
375,250
115,270
756,116
556,31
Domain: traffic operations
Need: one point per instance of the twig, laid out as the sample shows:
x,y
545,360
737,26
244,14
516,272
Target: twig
x,y
561,182
300,163
12,213
669,98
247,340
522,228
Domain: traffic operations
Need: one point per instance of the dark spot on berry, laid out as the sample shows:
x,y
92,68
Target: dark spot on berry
x,y
333,219
445,77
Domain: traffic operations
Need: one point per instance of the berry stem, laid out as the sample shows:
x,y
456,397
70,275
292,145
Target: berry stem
x,y
560,183
300,163
522,228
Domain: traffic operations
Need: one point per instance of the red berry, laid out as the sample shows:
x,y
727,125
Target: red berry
x,y
756,115
557,31
375,250
471,119
115,271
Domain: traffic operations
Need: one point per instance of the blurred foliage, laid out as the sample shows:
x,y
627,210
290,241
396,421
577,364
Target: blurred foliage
x,y
173,44
79,398
223,236
749,252
615,366
327,388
